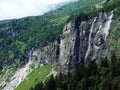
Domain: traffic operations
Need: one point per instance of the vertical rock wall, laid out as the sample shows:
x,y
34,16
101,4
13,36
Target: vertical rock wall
x,y
84,43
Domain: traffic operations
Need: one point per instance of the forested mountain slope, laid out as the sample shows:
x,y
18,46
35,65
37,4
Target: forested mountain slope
x,y
21,39
82,35
18,37
96,67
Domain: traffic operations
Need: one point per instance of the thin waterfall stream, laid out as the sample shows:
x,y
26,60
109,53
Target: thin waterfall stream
x,y
89,42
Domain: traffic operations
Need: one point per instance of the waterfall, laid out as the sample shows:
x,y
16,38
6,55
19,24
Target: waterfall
x,y
107,26
30,54
20,75
89,42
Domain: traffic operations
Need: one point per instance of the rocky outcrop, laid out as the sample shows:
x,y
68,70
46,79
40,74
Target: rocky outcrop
x,y
84,43
81,43
19,76
46,54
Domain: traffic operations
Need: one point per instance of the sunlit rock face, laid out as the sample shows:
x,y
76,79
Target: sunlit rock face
x,y
85,43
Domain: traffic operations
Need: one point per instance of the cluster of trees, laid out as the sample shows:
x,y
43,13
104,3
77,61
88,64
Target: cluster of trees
x,y
111,5
102,76
90,13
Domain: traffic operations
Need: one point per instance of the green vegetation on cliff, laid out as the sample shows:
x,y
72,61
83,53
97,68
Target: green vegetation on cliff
x,y
18,36
105,75
114,37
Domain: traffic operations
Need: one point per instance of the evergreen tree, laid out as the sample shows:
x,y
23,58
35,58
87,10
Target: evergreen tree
x,y
50,84
39,86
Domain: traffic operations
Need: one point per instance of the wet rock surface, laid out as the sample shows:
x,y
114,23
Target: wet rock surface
x,y
85,43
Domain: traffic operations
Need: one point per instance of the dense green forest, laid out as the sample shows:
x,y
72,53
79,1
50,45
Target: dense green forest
x,y
90,13
18,36
102,76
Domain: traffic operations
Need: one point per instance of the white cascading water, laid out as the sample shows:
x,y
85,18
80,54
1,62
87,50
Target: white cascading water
x,y
107,26
103,30
20,75
89,42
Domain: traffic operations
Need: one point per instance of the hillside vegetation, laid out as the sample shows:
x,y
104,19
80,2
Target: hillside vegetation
x,y
105,76
96,75
18,36
36,76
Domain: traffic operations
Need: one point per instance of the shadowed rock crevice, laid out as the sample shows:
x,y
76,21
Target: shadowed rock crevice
x,y
84,41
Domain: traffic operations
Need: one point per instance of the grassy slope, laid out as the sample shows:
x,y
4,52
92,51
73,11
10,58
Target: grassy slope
x,y
37,75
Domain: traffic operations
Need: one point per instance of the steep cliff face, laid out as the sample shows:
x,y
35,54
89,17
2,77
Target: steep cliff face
x,y
85,43
47,54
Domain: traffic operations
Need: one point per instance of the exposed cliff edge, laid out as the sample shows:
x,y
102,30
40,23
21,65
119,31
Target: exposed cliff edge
x,y
93,35
85,42
77,44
